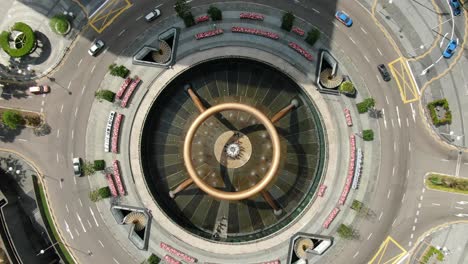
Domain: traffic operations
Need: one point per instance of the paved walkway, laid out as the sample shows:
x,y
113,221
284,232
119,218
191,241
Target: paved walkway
x,y
338,132
51,46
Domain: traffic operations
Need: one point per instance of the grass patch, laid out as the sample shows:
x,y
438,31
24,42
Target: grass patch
x,y
26,42
42,203
59,24
429,253
29,119
447,183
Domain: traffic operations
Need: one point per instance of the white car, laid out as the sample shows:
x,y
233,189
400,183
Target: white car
x,y
96,47
152,15
77,166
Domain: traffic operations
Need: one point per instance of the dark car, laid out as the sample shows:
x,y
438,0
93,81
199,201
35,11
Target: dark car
x,y
456,7
384,72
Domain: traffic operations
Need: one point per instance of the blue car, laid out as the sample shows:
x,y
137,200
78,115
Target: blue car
x,y
450,49
344,18
456,7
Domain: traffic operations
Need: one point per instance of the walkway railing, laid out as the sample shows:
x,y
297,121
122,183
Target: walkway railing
x,y
107,139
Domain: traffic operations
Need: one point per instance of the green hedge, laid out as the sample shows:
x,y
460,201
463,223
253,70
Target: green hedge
x,y
365,105
29,40
432,109
12,119
447,183
215,13
153,259
312,36
59,24
345,231
100,194
189,20
105,95
99,165
347,87
368,135
287,21
429,253
118,70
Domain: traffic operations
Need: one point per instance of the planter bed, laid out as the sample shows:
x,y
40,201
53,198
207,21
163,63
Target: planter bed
x,y
300,50
209,34
123,87
202,19
117,178
254,31
252,16
130,91
116,132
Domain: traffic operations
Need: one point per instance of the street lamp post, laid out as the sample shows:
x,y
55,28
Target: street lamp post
x,y
42,251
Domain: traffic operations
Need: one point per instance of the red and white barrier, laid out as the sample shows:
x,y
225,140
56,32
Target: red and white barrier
x,y
253,16
117,177
178,253
254,31
272,262
201,19
322,189
300,50
111,185
129,93
349,120
123,87
116,132
331,217
171,260
208,34
298,31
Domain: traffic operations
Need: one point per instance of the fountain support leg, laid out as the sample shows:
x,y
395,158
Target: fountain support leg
x,y
181,187
294,103
269,199
194,98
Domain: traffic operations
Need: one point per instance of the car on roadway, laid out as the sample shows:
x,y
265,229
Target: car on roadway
x,y
384,72
96,47
456,7
152,15
76,166
448,52
344,18
41,89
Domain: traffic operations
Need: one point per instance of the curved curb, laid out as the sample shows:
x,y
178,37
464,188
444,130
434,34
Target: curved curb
x,y
40,177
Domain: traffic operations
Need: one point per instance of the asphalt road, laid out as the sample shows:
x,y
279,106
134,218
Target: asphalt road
x,y
408,150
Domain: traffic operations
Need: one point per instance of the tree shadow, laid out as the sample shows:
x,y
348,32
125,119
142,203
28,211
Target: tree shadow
x,y
16,166
8,135
11,91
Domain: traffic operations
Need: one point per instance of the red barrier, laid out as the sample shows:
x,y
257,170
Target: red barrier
x,y
331,217
349,120
201,19
123,87
208,34
300,50
117,178
298,31
349,177
253,16
171,260
111,185
254,31
322,189
116,132
178,253
129,93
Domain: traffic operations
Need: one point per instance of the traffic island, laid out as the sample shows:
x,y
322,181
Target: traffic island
x,y
446,183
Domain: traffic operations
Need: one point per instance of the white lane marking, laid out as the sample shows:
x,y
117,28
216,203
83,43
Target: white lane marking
x,y
407,122
76,111
67,227
398,115
77,233
57,157
316,11
121,32
435,204
61,109
459,208
365,32
79,200
402,199
417,213
394,221
82,90
81,222
415,220
409,147
72,133
355,255
413,112
388,194
80,62
444,159
102,245
42,103
412,235
69,84
419,205
393,124
381,213
410,243
384,118
394,146
92,213
421,198
378,79
138,18
407,173
114,258
74,180
89,223
22,139
370,235
414,227
42,109
66,207
386,99
379,52
352,40
94,67
423,190
61,185
105,51
162,4
367,59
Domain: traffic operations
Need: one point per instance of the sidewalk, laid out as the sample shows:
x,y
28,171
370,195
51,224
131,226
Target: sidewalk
x,y
51,46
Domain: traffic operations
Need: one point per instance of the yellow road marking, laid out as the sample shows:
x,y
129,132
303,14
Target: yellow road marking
x,y
108,14
382,250
403,77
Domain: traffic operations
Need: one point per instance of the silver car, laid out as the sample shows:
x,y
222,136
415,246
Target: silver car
x,y
96,47
77,166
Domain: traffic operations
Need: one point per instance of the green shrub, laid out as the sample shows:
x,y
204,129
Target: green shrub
x,y
104,192
365,105
189,20
59,24
105,95
153,259
28,40
182,8
120,70
287,21
99,165
432,106
357,205
345,231
12,118
88,168
448,182
368,135
215,13
94,196
312,36
347,87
